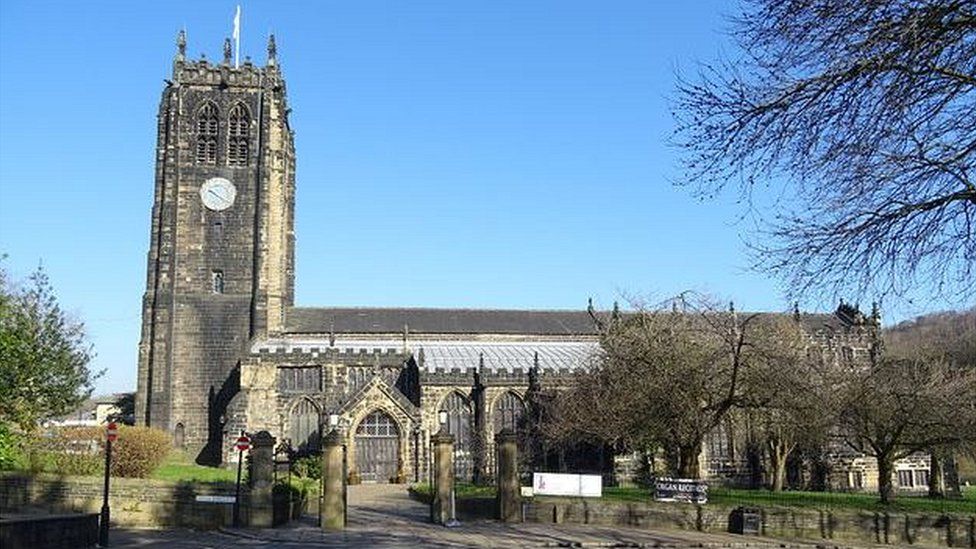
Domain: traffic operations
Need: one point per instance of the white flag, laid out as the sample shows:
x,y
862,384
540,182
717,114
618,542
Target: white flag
x,y
237,37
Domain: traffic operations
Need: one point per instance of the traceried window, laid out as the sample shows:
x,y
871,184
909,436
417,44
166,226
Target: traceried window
x,y
459,423
508,411
238,145
377,424
300,380
207,127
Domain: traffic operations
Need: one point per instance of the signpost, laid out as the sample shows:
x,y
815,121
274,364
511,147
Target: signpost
x,y
243,444
111,433
207,498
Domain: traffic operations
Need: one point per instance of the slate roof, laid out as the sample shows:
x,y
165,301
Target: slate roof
x,y
365,320
437,321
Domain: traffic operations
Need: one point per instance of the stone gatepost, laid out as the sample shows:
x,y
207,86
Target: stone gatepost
x,y
261,480
333,512
509,497
442,510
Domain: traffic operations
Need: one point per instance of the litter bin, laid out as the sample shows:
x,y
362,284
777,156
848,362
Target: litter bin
x,y
745,520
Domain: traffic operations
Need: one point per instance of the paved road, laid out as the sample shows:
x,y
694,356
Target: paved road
x,y
384,516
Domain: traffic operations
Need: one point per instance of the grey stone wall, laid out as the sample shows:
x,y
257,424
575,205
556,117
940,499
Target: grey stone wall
x,y
134,502
896,528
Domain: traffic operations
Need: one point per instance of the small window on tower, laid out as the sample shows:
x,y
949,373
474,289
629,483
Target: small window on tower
x,y
217,281
238,146
207,125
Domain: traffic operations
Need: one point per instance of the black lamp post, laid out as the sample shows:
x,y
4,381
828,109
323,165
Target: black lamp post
x,y
111,432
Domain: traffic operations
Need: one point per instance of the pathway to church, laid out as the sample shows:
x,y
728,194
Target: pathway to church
x,y
385,516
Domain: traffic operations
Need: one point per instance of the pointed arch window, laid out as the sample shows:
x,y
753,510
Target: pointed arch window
x,y
238,143
304,422
508,410
207,127
460,423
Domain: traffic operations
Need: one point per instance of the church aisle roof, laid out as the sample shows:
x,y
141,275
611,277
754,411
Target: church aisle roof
x,y
437,321
511,357
456,355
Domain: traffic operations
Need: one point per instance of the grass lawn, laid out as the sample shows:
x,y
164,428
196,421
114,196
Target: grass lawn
x,y
729,496
841,500
817,500
178,466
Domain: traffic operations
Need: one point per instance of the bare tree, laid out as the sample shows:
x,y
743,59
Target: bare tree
x,y
899,407
858,116
667,377
789,397
950,337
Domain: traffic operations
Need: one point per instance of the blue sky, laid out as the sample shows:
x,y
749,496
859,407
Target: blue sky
x,y
504,154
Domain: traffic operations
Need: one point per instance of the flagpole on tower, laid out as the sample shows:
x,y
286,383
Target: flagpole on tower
x,y
237,37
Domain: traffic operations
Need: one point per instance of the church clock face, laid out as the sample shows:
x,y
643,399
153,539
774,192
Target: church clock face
x,y
217,194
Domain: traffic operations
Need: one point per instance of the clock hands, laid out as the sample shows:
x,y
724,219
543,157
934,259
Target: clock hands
x,y
217,194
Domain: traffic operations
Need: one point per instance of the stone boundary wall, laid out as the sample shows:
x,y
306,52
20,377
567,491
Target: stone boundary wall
x,y
49,532
133,502
897,528
947,530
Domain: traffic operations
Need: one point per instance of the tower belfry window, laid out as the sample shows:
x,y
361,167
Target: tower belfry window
x,y
207,127
238,145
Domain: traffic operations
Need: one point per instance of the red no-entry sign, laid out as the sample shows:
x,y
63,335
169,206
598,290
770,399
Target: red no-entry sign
x,y
111,431
243,443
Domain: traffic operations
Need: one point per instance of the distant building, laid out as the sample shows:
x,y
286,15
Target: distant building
x,y
92,412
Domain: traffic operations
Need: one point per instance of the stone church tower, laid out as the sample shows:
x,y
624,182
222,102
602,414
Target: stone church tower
x,y
221,255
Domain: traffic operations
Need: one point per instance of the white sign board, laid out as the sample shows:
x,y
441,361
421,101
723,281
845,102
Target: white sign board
x,y
561,484
681,490
215,499
591,486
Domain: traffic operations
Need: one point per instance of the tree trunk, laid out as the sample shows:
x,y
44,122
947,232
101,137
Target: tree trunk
x,y
688,461
778,452
754,457
886,465
796,477
936,475
950,472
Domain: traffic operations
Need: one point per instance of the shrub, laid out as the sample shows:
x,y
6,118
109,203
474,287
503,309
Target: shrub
x,y
66,451
307,467
81,451
11,450
139,451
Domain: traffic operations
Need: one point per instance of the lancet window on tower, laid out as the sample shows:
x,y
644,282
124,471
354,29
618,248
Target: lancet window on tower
x,y
217,281
207,125
238,145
